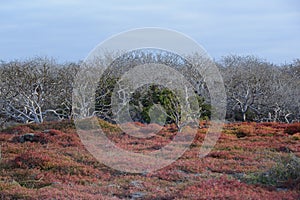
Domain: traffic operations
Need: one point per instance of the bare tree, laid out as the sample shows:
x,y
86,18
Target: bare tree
x,y
40,89
247,84
260,90
31,89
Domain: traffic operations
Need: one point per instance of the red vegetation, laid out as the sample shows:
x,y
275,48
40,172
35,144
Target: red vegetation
x,y
249,161
293,128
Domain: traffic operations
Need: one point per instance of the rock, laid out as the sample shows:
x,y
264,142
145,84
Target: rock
x,y
28,137
138,195
137,184
284,149
56,183
281,189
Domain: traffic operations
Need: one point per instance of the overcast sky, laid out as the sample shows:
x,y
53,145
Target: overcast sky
x,y
69,29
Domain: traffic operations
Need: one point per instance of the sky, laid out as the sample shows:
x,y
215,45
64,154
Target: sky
x,y
68,30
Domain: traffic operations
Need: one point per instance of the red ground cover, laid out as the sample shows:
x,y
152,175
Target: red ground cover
x,y
250,161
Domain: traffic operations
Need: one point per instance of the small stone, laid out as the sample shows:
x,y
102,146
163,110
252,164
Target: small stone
x,y
137,184
138,195
28,137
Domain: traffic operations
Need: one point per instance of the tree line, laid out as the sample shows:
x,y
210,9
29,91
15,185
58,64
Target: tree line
x,y
40,89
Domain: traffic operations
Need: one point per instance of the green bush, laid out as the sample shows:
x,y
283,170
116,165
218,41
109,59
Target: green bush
x,y
149,101
285,173
161,101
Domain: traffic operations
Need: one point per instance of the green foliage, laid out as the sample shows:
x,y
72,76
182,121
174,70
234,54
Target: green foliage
x,y
238,115
284,173
148,102
155,95
103,97
206,108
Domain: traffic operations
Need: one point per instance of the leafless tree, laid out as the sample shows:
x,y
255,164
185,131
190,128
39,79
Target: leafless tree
x,y
34,88
260,90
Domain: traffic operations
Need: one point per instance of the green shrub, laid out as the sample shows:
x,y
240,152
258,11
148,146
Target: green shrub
x,y
149,101
285,173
